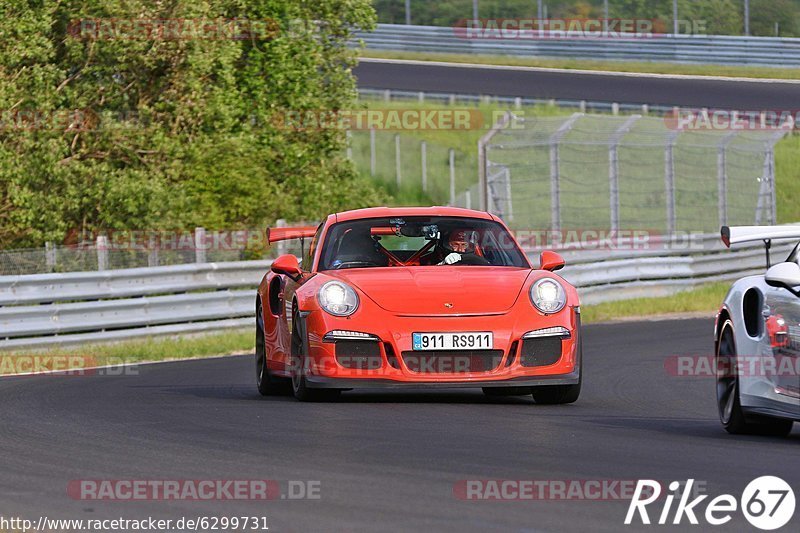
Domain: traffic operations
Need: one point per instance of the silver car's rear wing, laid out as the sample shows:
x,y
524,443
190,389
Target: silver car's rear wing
x,y
738,234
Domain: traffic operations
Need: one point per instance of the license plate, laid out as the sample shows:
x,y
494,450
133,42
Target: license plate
x,y
481,340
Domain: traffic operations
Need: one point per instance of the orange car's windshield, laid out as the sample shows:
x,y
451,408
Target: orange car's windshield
x,y
419,241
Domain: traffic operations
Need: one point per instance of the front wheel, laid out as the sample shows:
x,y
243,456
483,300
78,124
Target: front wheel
x,y
557,394
731,414
300,367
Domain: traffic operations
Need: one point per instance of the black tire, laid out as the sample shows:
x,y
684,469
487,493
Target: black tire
x,y
299,349
562,394
268,385
729,407
497,392
557,394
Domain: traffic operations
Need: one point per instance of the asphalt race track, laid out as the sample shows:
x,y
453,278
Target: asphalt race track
x,y
565,85
385,461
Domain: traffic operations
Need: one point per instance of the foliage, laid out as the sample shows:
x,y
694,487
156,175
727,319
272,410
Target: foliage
x,y
171,133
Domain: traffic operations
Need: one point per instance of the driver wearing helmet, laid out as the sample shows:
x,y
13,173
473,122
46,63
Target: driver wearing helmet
x,y
458,248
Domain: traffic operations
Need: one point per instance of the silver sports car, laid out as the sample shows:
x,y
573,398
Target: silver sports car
x,y
757,341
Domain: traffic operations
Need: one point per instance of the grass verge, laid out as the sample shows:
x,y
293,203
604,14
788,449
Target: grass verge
x,y
703,299
605,66
135,351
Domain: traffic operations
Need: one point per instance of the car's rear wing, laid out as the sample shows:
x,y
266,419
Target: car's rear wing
x,y
739,234
285,234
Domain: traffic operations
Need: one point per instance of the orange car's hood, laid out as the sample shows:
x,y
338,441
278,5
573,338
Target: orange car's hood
x,y
439,290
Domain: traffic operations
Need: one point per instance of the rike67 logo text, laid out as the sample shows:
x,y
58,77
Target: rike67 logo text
x,y
767,502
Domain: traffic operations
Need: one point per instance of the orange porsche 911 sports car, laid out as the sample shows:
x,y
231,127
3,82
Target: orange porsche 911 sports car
x,y
416,297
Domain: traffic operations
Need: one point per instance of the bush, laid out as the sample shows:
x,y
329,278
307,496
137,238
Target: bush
x,y
171,133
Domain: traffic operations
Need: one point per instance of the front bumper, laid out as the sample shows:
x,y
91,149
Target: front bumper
x,y
394,341
317,382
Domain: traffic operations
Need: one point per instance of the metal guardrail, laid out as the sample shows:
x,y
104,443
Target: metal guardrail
x,y
83,307
703,49
584,106
45,288
603,275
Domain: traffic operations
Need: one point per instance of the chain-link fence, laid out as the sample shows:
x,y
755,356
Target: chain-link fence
x,y
407,164
623,172
137,249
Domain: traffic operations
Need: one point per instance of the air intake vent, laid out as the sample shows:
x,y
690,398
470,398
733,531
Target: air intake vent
x,y
361,355
543,351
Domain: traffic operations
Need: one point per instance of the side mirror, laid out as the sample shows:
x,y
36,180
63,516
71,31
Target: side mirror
x,y
786,275
288,265
551,261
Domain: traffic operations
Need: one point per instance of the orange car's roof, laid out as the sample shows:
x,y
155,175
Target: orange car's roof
x,y
386,212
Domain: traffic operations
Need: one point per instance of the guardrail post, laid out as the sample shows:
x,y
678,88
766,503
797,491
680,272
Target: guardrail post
x,y
200,245
50,255
669,180
423,147
555,171
397,162
349,140
102,252
468,199
722,178
373,157
452,157
613,169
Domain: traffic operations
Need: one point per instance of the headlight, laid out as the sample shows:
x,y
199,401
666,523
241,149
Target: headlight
x,y
548,296
338,299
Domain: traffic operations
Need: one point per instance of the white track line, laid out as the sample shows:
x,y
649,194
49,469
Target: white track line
x,y
578,71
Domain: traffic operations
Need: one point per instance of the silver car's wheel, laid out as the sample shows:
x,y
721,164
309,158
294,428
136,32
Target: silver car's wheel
x,y
731,414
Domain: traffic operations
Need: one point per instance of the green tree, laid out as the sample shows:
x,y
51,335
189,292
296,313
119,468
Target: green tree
x,y
764,14
172,133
